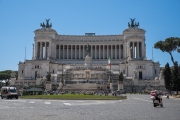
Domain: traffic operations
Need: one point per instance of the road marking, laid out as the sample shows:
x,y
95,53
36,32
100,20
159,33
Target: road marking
x,y
67,103
47,102
31,102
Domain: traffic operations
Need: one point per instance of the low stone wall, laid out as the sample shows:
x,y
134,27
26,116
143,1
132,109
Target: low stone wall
x,y
82,86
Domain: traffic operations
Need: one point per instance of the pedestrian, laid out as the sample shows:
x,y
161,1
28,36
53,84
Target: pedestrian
x,y
167,96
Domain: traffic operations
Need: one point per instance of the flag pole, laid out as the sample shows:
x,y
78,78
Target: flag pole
x,y
110,69
25,55
62,73
109,63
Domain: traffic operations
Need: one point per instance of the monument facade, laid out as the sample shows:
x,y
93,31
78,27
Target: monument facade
x,y
83,59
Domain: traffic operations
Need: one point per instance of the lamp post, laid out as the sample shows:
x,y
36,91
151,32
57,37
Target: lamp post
x,y
62,75
132,86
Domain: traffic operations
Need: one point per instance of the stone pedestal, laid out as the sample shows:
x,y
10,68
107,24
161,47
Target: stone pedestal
x,y
48,87
13,81
111,87
38,81
64,82
120,86
60,85
161,80
135,81
88,61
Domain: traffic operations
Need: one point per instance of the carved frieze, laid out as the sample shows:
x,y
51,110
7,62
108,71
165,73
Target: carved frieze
x,y
43,37
135,36
134,30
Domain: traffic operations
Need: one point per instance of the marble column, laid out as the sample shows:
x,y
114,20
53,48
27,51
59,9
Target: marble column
x,y
75,51
103,51
46,50
137,49
71,51
63,51
36,50
55,52
33,51
119,51
95,52
115,51
133,51
111,51
49,50
40,50
67,51
59,51
99,51
91,51
107,51
79,51
83,52
142,49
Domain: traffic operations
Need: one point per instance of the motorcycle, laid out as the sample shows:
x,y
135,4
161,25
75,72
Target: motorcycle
x,y
157,102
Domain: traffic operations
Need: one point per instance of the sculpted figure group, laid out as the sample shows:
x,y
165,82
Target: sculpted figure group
x,y
47,24
133,24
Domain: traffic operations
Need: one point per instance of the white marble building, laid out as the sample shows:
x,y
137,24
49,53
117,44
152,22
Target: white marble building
x,y
127,52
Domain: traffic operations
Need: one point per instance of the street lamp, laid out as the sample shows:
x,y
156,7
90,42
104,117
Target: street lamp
x,y
62,81
132,86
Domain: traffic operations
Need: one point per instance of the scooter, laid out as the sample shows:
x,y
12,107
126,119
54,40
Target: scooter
x,y
156,101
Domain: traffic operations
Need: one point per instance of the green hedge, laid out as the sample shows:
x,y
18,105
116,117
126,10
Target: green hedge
x,y
74,97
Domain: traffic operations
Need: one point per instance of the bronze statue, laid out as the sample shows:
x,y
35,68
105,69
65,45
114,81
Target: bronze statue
x,y
47,24
42,25
133,24
88,49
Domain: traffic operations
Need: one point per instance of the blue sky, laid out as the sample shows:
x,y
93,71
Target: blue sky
x,y
20,18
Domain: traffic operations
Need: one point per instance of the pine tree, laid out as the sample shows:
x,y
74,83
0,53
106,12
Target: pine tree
x,y
167,77
175,79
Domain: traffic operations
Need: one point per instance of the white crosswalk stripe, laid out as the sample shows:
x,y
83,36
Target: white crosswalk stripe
x,y
67,103
47,102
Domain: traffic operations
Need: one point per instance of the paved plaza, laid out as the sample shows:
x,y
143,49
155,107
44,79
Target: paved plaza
x,y
136,107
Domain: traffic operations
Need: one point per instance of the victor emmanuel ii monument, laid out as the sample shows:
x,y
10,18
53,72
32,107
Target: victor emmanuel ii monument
x,y
80,62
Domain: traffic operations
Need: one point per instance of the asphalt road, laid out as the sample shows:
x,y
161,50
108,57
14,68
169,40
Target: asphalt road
x,y
136,107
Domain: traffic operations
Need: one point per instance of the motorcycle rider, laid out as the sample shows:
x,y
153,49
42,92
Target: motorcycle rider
x,y
157,96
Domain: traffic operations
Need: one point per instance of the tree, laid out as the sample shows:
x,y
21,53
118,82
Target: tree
x,y
175,79
6,74
169,45
167,77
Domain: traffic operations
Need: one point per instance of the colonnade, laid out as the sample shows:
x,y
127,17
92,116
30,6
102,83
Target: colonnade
x,y
97,51
41,50
136,49
62,51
